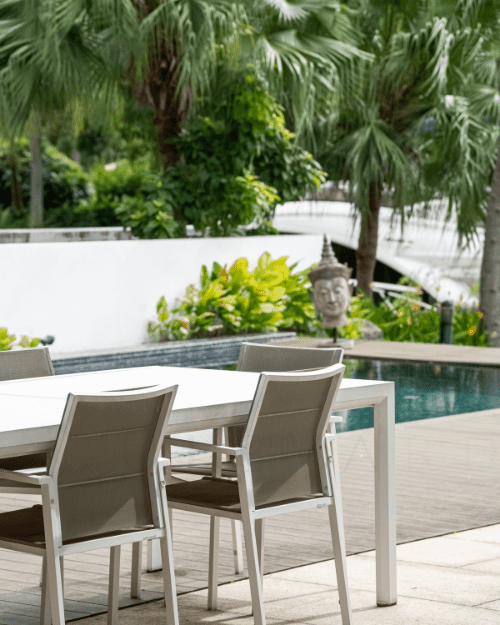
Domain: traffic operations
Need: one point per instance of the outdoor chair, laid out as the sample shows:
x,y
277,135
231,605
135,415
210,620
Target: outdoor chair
x,y
36,363
255,357
18,365
284,464
104,488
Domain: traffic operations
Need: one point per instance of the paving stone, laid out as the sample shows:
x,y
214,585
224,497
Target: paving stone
x,y
446,551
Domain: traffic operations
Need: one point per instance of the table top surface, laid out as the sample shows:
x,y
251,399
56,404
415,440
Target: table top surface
x,y
202,394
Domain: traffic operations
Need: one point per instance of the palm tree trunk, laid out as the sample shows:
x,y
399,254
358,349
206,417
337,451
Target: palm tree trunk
x,y
171,108
36,205
490,266
366,254
16,198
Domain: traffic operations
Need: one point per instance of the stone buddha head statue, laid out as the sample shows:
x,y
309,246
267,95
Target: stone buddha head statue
x,y
331,294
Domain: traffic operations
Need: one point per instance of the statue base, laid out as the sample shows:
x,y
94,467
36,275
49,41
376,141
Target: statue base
x,y
329,343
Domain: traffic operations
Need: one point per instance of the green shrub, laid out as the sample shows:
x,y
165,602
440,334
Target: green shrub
x,y
239,301
7,340
131,195
405,319
222,203
65,185
147,219
238,163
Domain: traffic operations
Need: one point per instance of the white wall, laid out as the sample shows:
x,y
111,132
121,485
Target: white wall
x,y
100,295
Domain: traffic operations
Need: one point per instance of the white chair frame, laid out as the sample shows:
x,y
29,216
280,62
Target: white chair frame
x,y
252,518
332,356
52,595
43,359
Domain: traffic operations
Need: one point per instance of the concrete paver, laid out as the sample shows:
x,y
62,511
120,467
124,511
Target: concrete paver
x,y
447,551
434,588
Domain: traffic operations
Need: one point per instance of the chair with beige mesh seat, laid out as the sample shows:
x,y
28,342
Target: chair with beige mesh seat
x,y
104,488
283,465
36,363
259,357
17,365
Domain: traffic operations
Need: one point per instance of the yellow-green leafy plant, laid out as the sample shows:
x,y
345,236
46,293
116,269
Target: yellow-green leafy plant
x,y
404,319
239,301
7,341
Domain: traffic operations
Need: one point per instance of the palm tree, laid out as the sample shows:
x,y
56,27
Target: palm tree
x,y
488,14
179,40
53,53
414,128
302,47
307,51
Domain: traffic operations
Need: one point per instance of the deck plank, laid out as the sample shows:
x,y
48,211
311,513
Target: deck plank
x,y
447,480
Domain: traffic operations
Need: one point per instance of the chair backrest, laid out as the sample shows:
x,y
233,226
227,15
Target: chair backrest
x,y
17,365
104,463
257,358
264,357
285,434
25,363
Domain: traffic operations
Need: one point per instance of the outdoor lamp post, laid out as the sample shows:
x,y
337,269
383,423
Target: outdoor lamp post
x,y
446,323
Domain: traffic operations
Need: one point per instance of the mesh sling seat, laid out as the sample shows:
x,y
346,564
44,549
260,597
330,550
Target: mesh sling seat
x,y
104,488
256,358
284,464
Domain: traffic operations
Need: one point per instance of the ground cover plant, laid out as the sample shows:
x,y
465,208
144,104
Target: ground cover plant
x,y
239,301
7,341
405,319
273,297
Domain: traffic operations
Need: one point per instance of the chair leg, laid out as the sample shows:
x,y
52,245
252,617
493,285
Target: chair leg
x,y
114,585
259,536
62,572
169,580
45,617
338,540
154,556
45,612
135,580
253,570
56,593
213,563
237,547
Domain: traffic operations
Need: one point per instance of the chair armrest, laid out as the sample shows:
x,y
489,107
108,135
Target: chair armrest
x,y
330,437
162,463
216,449
336,419
17,476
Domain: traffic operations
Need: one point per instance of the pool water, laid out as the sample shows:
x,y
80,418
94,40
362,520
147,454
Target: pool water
x,y
425,390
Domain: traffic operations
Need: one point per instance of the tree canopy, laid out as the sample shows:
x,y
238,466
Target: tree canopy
x,y
420,126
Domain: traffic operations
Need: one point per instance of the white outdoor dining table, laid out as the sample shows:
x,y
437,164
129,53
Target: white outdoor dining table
x,y
31,411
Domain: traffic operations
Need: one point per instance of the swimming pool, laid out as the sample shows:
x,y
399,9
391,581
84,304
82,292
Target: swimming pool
x,y
425,390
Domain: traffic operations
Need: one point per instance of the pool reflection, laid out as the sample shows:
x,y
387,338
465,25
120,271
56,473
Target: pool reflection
x,y
425,390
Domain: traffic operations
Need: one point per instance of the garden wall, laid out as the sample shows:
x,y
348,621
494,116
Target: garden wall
x,y
100,295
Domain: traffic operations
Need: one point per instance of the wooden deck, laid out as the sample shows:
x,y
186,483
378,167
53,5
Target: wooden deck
x,y
393,350
448,472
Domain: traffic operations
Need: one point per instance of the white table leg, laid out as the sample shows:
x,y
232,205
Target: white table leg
x,y
385,500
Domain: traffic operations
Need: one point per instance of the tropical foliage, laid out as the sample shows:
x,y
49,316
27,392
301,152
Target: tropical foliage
x,y
238,163
52,56
405,319
7,341
239,301
419,126
65,185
